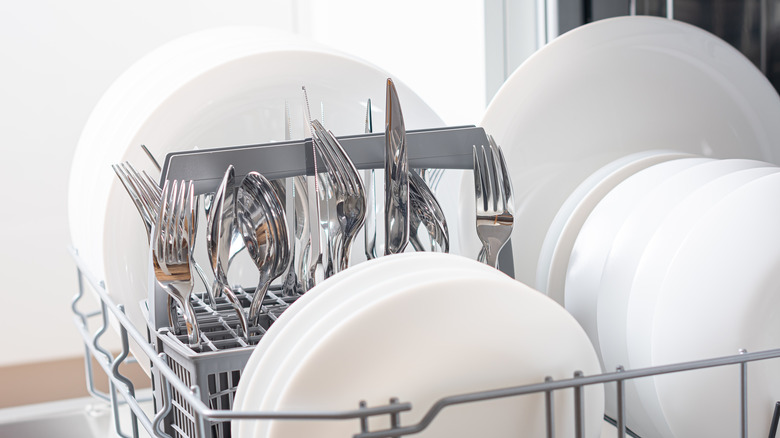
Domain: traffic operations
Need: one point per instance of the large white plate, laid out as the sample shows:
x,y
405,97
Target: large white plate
x,y
657,257
591,249
309,309
235,96
720,295
621,265
612,88
126,103
420,338
563,231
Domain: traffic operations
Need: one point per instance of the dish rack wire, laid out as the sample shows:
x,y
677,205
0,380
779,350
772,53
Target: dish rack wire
x,y
193,392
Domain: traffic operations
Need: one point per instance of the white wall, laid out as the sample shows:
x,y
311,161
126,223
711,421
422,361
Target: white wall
x,y
59,57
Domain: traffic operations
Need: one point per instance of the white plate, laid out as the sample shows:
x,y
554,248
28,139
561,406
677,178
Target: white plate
x,y
287,338
132,96
612,88
656,259
591,249
415,334
238,99
554,257
620,268
720,295
309,309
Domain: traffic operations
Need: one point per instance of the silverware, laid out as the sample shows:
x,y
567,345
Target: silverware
x,y
396,176
348,193
263,225
494,200
369,176
425,210
171,242
219,235
146,195
146,201
316,256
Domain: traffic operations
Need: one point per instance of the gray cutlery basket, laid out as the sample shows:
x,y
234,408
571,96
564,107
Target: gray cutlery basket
x,y
216,370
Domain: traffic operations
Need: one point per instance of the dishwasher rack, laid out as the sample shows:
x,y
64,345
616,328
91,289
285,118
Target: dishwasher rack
x,y
204,416
193,392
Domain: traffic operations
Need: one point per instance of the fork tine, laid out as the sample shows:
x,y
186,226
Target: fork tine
x,y
347,166
490,182
134,195
508,191
149,198
158,239
338,156
479,195
179,218
498,176
191,220
151,183
318,133
170,225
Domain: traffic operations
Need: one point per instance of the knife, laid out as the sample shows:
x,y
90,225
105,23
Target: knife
x,y
316,272
396,175
369,177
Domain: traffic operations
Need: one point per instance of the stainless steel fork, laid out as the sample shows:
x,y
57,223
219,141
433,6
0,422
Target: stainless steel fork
x,y
172,238
494,200
348,191
147,195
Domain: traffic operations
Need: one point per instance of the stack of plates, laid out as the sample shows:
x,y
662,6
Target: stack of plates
x,y
220,87
640,151
619,271
607,90
419,327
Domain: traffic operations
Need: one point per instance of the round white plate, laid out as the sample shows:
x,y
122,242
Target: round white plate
x,y
591,249
620,268
720,295
309,309
556,250
133,95
656,259
436,336
612,88
348,291
236,99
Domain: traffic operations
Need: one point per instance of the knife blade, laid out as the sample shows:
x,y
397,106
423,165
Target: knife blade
x,y
396,175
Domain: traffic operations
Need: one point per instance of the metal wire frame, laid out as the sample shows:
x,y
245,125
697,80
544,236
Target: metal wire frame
x,y
122,386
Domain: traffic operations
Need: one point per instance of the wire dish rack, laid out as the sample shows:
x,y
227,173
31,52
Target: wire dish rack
x,y
193,392
202,404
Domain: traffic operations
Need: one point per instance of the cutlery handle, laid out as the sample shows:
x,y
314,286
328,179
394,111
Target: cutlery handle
x,y
239,310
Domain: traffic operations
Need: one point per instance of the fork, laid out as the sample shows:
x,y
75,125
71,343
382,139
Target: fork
x,y
348,191
143,194
147,195
172,238
494,201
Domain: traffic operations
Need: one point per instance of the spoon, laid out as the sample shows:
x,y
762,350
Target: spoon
x,y
263,225
219,232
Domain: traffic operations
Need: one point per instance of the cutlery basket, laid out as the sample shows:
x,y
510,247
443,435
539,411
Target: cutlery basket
x,y
217,368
